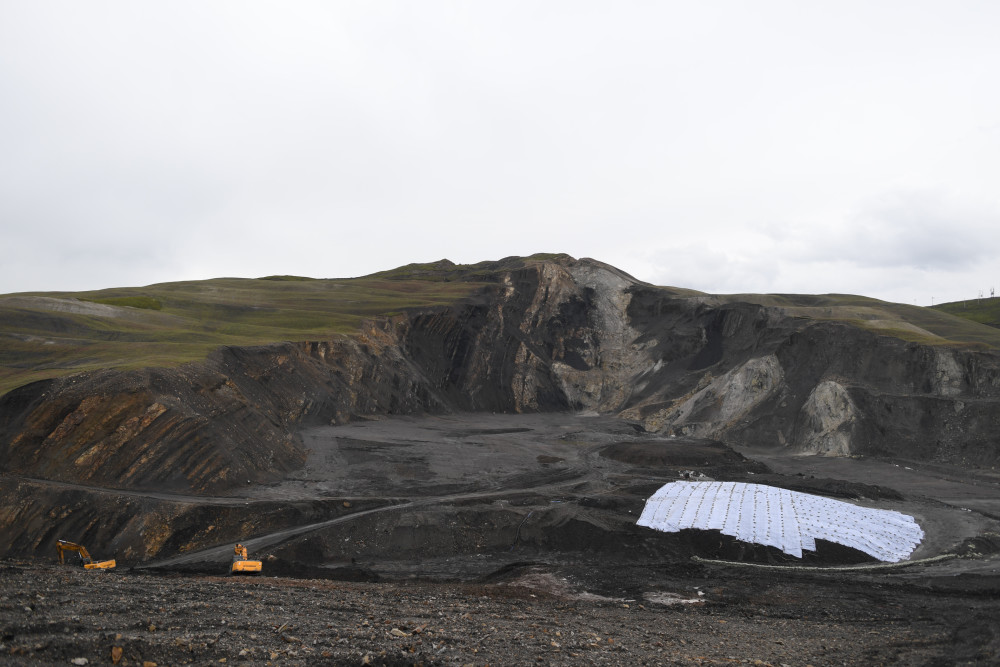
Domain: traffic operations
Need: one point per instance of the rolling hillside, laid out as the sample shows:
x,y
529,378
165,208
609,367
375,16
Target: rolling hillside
x,y
53,334
982,311
45,335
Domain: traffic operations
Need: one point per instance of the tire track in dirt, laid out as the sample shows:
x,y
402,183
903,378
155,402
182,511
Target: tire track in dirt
x,y
135,493
221,553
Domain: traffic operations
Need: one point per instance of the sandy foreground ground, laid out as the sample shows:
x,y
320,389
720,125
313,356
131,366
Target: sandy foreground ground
x,y
433,599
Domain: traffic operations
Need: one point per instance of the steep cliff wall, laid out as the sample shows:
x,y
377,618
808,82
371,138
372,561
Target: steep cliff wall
x,y
829,389
550,337
556,335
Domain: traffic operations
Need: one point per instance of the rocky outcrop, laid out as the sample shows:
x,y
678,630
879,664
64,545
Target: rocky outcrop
x,y
723,402
206,427
826,421
544,336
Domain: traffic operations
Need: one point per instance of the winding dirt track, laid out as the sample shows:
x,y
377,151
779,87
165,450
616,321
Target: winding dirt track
x,y
136,493
222,553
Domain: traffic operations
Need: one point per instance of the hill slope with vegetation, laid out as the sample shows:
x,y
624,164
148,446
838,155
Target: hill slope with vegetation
x,y
46,335
54,334
981,311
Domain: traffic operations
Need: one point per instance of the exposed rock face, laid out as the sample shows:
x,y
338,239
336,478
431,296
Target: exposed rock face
x,y
551,337
724,402
559,335
826,421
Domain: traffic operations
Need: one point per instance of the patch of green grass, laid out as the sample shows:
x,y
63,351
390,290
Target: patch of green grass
x,y
50,334
912,323
446,271
983,311
146,302
287,278
441,270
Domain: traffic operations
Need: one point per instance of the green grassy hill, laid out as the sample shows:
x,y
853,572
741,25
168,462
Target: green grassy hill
x,y
913,323
49,334
983,311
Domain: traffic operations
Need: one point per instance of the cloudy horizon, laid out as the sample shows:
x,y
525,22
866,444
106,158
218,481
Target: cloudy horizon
x,y
771,147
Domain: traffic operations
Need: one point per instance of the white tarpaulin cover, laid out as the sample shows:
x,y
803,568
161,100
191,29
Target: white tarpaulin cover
x,y
788,520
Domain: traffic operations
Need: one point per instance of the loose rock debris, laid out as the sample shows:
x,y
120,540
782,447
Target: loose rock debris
x,y
58,616
542,564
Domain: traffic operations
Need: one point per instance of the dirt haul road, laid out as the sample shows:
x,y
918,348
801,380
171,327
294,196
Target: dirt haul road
x,y
512,540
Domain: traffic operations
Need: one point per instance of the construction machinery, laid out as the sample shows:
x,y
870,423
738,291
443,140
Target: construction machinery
x,y
88,563
243,565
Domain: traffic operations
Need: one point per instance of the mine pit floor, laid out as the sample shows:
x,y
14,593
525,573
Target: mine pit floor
x,y
511,539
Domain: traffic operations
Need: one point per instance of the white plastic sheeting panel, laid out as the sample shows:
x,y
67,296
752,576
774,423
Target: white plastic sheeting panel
x,y
780,518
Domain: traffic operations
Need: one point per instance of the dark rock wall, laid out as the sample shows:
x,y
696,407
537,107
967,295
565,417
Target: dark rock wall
x,y
135,528
563,335
912,401
496,354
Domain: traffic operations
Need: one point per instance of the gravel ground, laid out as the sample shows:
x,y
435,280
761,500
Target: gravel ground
x,y
62,615
518,545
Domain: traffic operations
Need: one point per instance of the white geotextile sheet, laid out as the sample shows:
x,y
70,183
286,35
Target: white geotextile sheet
x,y
780,518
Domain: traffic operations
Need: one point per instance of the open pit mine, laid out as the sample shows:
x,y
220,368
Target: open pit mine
x,y
564,442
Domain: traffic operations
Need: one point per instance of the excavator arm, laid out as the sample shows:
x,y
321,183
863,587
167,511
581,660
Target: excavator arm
x,y
62,546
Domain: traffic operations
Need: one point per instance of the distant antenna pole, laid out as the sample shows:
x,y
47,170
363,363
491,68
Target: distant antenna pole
x,y
932,301
991,292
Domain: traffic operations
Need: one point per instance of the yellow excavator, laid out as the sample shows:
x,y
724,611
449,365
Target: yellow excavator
x,y
88,563
241,564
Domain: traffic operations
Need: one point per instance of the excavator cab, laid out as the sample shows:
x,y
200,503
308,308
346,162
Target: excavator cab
x,y
241,564
88,563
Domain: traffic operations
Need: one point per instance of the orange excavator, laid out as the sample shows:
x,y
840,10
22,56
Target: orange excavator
x,y
88,563
241,564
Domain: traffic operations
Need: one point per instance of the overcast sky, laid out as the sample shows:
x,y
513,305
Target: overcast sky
x,y
727,147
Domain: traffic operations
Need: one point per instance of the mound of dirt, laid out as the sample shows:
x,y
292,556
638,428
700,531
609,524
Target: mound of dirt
x,y
709,457
835,488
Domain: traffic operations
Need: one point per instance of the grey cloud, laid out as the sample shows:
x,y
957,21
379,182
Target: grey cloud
x,y
923,230
337,139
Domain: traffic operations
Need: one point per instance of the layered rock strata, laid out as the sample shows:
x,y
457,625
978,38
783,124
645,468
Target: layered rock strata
x,y
547,336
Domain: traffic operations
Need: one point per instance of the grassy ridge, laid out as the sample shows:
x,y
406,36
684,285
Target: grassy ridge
x,y
44,335
486,272
913,323
146,302
50,334
983,311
